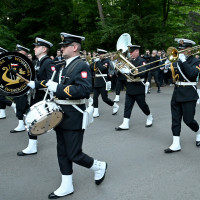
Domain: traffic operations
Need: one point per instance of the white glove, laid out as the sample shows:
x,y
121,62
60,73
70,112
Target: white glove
x,y
125,71
52,86
31,84
182,57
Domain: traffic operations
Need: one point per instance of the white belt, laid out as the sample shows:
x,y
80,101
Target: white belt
x,y
100,75
185,83
137,80
70,102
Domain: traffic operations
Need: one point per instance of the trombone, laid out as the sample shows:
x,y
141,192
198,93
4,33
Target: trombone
x,y
172,56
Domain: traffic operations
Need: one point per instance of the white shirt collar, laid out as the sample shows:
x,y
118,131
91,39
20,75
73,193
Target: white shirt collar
x,y
69,60
41,57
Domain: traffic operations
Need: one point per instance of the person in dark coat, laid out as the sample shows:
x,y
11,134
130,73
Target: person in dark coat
x,y
3,100
154,72
72,86
185,74
21,101
135,91
44,69
103,68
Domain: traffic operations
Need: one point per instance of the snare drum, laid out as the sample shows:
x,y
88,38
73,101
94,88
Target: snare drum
x,y
43,117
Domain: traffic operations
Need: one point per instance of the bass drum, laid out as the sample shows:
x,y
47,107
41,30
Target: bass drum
x,y
43,117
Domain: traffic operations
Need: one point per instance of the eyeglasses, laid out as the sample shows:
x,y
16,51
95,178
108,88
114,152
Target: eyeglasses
x,y
67,45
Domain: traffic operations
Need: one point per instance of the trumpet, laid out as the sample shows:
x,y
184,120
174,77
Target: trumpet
x,y
172,56
122,62
102,56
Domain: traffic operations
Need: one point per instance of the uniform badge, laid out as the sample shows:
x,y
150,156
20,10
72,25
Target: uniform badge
x,y
53,68
84,74
62,37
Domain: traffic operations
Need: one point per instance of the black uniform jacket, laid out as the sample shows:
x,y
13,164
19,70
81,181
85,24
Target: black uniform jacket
x,y
190,68
155,64
73,86
47,67
120,76
136,88
104,66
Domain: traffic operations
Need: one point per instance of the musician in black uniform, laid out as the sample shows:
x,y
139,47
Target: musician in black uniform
x,y
3,100
21,101
135,90
72,86
185,73
102,70
121,83
154,73
44,70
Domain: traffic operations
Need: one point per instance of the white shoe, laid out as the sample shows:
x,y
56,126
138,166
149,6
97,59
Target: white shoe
x,y
2,113
198,138
90,101
13,105
124,125
20,127
175,144
115,109
66,186
99,169
30,149
149,121
96,112
116,98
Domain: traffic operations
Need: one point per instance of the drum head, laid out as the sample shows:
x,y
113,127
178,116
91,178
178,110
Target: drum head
x,y
46,123
10,84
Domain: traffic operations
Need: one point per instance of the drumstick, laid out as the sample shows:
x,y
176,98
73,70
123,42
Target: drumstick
x,y
13,71
53,75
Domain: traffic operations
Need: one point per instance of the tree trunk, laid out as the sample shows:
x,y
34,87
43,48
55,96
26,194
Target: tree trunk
x,y
166,6
100,11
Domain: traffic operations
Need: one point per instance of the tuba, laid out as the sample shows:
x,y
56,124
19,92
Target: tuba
x,y
120,60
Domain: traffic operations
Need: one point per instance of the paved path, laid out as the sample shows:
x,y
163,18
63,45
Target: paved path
x,y
138,169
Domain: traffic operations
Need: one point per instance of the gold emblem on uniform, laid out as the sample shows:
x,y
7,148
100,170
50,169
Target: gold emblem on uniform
x,y
62,38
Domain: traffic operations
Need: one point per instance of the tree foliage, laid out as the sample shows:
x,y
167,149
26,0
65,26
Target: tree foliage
x,y
151,23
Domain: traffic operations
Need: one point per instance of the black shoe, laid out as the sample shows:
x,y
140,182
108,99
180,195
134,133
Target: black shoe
x,y
53,196
158,91
171,151
98,182
120,129
198,143
149,92
3,118
14,131
21,153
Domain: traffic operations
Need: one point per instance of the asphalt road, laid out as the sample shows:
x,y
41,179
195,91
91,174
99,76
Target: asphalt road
x,y
138,169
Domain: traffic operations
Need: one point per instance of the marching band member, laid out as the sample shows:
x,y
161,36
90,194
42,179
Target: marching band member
x,y
3,100
21,101
135,90
73,85
121,83
102,69
185,73
155,71
44,70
